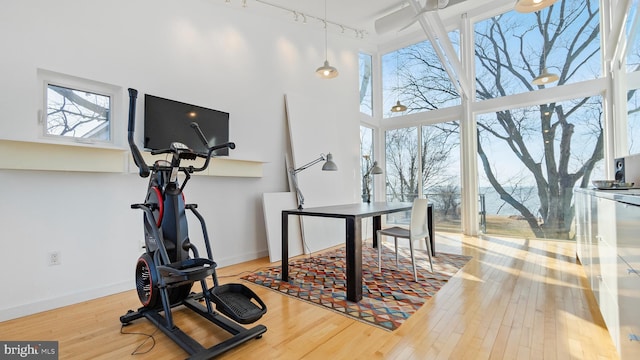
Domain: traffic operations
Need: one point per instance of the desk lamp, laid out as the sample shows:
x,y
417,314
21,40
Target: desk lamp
x,y
329,165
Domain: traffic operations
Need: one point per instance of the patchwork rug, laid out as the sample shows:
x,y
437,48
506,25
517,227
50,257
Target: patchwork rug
x,y
389,298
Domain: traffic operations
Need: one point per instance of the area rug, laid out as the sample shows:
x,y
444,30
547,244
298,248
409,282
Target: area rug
x,y
389,298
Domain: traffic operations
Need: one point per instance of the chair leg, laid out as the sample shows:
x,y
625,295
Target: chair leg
x,y
429,252
395,240
413,261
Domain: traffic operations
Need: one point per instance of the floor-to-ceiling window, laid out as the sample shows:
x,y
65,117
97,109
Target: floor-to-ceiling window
x,y
532,150
422,160
632,60
441,173
532,157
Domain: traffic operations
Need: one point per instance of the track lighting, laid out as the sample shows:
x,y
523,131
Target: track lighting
x,y
359,33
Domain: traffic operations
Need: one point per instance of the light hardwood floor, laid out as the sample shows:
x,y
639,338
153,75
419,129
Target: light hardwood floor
x,y
516,299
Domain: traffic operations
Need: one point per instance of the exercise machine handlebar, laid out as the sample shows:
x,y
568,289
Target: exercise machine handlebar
x,y
135,152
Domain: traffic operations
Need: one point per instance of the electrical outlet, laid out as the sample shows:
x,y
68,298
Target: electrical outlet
x,y
54,258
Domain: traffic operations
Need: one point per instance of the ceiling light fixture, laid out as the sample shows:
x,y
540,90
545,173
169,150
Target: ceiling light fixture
x,y
527,6
326,71
398,107
545,76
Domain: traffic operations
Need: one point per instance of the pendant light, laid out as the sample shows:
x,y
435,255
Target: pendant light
x,y
398,107
545,76
527,6
326,71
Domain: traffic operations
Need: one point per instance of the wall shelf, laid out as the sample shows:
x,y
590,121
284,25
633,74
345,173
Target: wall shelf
x,y
28,155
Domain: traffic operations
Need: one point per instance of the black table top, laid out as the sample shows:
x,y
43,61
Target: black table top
x,y
359,209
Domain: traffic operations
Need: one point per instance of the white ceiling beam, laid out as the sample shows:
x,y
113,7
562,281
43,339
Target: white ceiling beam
x,y
437,35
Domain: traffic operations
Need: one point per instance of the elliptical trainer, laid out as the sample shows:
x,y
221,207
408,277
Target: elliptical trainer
x,y
166,271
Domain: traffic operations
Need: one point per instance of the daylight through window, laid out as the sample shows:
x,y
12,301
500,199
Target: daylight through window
x,y
77,113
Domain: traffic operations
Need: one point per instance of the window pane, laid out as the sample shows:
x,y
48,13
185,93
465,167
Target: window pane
x,y
366,97
633,120
416,77
441,173
366,161
402,164
514,48
633,46
77,113
401,173
532,158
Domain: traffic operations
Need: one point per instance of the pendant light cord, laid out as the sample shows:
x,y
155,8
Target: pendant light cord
x,y
326,43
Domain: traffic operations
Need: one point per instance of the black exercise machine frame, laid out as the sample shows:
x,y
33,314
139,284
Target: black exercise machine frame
x,y
164,276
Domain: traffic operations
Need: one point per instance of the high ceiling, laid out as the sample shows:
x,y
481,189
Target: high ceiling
x,y
362,14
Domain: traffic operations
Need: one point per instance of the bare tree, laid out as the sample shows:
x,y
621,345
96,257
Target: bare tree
x,y
71,112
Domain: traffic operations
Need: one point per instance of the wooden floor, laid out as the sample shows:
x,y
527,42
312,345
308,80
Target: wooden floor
x,y
516,299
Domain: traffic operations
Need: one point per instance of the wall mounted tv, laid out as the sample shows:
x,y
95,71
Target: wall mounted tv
x,y
167,121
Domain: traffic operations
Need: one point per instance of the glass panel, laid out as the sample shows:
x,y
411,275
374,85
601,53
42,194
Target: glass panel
x,y
415,76
401,154
402,164
531,159
633,120
441,173
366,162
77,113
514,48
633,39
366,94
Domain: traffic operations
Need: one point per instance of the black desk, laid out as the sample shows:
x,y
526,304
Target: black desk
x,y
353,215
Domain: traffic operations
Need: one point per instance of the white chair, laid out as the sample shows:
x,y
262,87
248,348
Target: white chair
x,y
418,229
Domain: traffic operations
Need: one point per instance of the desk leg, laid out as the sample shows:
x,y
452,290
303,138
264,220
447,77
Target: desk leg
x,y
430,223
354,258
377,225
285,247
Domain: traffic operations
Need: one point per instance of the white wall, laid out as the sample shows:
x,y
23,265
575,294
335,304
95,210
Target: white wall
x,y
198,51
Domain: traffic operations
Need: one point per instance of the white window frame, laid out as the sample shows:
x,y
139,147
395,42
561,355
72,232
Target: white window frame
x,y
46,78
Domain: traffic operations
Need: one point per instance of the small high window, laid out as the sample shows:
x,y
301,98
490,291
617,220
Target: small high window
x,y
76,109
78,113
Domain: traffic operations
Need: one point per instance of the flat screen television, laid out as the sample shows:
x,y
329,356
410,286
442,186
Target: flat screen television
x,y
167,121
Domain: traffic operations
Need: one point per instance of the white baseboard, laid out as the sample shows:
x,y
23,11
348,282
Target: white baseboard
x,y
64,300
240,259
90,294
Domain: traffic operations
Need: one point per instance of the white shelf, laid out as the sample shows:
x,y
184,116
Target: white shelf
x,y
27,155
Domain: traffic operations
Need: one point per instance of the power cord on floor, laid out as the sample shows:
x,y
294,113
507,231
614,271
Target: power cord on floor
x,y
149,336
240,273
